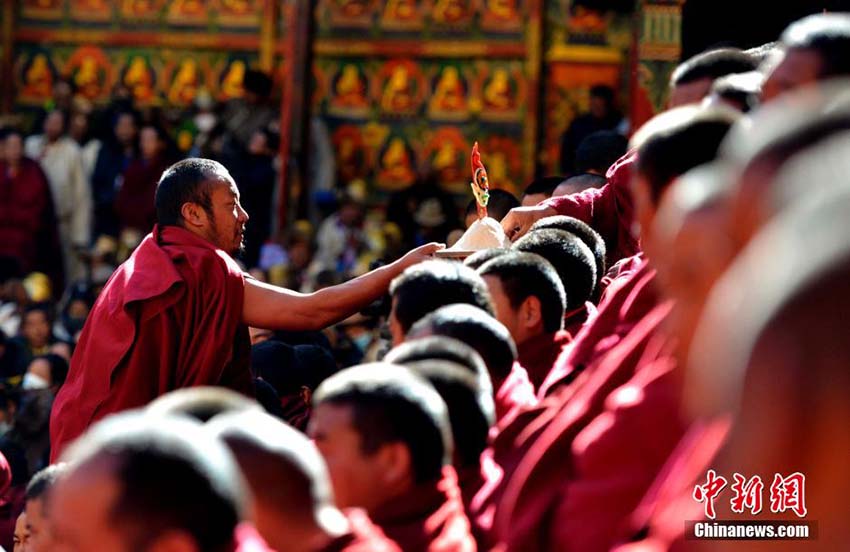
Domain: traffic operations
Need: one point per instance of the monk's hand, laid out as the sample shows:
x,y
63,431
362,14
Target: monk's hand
x,y
519,220
421,253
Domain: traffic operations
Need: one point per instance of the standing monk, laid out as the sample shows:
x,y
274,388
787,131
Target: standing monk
x,y
176,313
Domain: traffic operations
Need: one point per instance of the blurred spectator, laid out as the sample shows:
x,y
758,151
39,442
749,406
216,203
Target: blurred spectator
x,y
134,203
30,430
204,120
403,206
46,372
256,179
340,237
73,314
603,115
599,150
13,361
539,190
13,498
36,334
28,229
244,116
294,372
500,203
80,131
112,160
61,160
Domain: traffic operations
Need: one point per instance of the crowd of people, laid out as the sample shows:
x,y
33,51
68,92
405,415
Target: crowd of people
x,y
672,310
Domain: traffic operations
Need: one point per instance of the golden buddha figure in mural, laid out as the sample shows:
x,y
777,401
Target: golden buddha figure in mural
x,y
87,77
445,157
138,79
396,162
450,11
38,79
502,9
231,84
397,94
400,10
350,89
184,87
497,93
449,93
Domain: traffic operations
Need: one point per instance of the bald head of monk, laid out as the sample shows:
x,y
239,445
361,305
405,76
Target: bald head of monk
x,y
382,431
692,80
670,145
202,403
201,196
812,49
140,482
688,245
293,504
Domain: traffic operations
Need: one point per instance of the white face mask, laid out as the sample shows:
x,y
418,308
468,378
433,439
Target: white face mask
x,y
34,381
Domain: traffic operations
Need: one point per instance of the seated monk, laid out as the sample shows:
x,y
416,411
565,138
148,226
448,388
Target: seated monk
x,y
491,340
428,286
530,302
576,267
471,414
293,503
619,420
138,481
385,435
176,313
610,209
585,233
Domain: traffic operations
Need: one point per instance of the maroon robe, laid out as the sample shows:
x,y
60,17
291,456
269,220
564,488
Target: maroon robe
x,y
429,518
134,204
538,354
364,536
514,393
532,491
608,210
576,319
247,539
169,317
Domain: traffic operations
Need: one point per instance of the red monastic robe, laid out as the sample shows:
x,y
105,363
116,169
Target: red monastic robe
x,y
538,354
608,210
514,394
169,317
364,536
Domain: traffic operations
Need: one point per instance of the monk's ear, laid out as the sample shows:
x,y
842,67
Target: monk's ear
x,y
193,215
530,312
395,462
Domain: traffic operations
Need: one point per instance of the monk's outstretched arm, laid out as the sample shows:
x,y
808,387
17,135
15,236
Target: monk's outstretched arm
x,y
276,308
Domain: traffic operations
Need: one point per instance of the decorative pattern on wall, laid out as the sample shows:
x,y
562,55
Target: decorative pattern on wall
x,y
406,86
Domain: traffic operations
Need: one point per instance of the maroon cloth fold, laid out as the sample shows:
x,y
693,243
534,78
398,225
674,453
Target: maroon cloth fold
x,y
364,536
538,354
609,210
514,393
429,518
169,317
134,204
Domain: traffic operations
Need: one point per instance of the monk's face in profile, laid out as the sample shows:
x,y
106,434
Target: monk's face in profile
x,y
226,227
359,478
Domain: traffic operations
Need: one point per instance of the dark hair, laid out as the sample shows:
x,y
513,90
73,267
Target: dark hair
x,y
390,404
187,181
524,275
599,150
478,258
713,64
583,231
44,308
41,483
544,185
499,204
58,368
201,403
828,34
471,409
742,89
428,286
441,348
172,476
258,82
476,328
572,259
604,92
673,149
288,368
